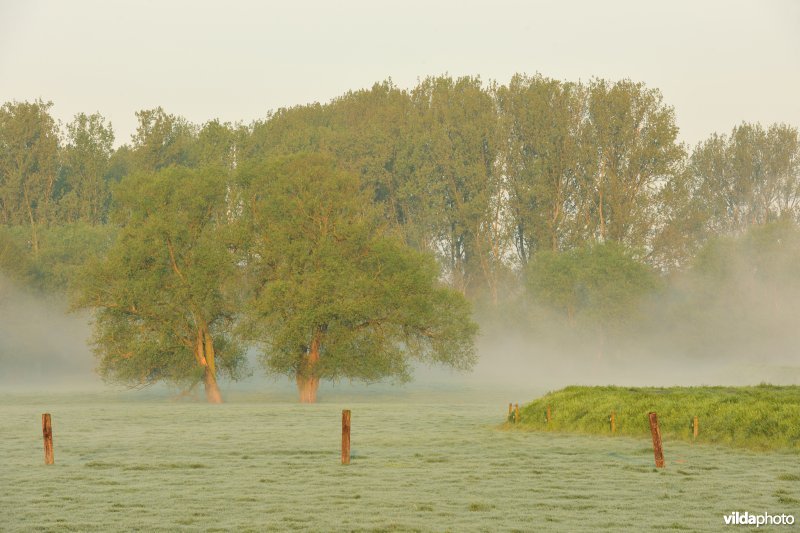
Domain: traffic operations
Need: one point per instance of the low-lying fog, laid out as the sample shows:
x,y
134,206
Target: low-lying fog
x,y
44,348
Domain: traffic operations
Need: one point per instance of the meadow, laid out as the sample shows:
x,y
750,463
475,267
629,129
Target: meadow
x,y
420,462
763,417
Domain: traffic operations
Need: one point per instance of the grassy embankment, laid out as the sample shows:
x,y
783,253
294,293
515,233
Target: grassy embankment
x,y
765,417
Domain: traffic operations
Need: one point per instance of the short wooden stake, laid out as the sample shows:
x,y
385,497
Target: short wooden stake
x,y
695,427
613,420
516,413
657,449
47,431
346,436
547,415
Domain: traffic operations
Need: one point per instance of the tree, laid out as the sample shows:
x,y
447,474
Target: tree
x,y
598,287
372,135
632,136
457,182
748,178
543,156
161,140
28,165
86,159
333,295
163,295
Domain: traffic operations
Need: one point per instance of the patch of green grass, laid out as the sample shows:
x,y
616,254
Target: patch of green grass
x,y
761,418
480,507
789,477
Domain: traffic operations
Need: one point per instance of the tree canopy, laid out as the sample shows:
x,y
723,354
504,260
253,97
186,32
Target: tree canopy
x,y
162,295
334,294
359,232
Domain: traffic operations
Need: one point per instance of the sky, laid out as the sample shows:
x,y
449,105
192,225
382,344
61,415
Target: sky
x,y
718,63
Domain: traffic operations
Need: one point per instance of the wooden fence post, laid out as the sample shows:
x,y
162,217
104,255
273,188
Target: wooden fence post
x,y
47,432
613,420
516,413
657,449
346,437
695,427
547,415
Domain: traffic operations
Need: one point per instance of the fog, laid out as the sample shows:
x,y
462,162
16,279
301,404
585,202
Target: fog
x,y
735,326
42,346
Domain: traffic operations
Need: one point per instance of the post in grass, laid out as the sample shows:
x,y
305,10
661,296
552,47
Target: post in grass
x,y
547,415
657,449
613,421
516,413
47,432
346,437
695,427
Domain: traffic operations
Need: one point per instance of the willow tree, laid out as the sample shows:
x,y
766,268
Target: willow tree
x,y
161,296
334,295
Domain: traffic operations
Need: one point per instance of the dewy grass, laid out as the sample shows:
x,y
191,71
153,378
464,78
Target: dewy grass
x,y
436,464
764,417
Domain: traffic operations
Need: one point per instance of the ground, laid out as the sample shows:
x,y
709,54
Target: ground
x,y
421,461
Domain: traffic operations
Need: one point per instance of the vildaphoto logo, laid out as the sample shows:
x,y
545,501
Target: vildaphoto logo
x,y
765,519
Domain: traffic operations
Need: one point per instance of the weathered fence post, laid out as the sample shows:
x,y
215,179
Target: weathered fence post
x,y
516,413
657,449
613,420
47,432
346,437
547,415
695,427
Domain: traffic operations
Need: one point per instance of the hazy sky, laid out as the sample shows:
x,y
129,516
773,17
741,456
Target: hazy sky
x,y
717,62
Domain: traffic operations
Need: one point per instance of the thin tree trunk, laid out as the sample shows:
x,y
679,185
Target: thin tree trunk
x,y
32,219
307,380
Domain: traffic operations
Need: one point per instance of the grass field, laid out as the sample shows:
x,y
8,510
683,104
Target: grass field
x,y
420,463
764,417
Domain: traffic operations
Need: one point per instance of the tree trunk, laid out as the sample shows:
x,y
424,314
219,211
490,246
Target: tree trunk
x,y
206,358
213,394
307,381
32,219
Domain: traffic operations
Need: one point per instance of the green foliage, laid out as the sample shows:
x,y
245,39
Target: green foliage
x,y
28,165
85,194
543,155
324,270
598,285
64,251
162,140
505,185
167,275
631,134
749,177
765,417
456,183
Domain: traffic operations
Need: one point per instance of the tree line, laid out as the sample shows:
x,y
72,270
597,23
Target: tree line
x,y
312,233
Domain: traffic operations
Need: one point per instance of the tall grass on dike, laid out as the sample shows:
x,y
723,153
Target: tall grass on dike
x,y
438,462
763,417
